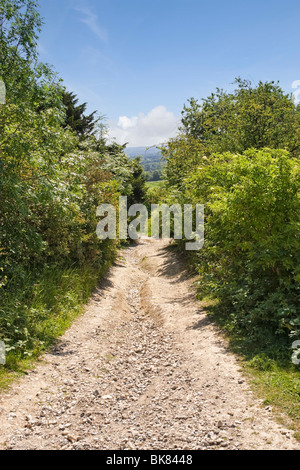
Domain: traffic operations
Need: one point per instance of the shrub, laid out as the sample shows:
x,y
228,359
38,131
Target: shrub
x,y
251,258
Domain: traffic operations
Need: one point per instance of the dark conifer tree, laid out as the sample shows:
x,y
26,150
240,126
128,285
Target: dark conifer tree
x,y
83,125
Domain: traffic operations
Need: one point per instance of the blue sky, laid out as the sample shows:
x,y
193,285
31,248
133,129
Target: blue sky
x,y
138,62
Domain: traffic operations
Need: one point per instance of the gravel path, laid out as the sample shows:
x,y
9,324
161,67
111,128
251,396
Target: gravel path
x,y
143,368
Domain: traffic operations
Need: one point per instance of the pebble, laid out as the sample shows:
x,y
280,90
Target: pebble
x,y
137,394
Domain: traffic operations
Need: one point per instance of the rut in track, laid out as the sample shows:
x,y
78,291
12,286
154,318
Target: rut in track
x,y
143,368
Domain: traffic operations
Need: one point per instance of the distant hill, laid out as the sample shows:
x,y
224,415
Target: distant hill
x,y
150,160
144,152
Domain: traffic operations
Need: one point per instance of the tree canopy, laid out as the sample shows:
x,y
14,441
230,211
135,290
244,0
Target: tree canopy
x,y
249,117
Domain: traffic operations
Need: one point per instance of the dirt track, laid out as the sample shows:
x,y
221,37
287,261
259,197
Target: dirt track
x,y
143,368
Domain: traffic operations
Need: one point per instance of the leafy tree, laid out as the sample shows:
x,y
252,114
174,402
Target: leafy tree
x,y
20,24
139,190
250,117
182,156
156,175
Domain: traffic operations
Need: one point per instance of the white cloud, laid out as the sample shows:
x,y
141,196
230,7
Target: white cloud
x,y
91,20
154,128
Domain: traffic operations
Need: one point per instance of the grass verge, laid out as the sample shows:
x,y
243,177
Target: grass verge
x,y
154,184
34,315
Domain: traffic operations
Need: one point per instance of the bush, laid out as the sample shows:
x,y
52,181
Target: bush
x,y
54,173
251,258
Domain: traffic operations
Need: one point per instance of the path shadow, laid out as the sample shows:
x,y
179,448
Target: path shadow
x,y
59,349
104,284
205,321
174,265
